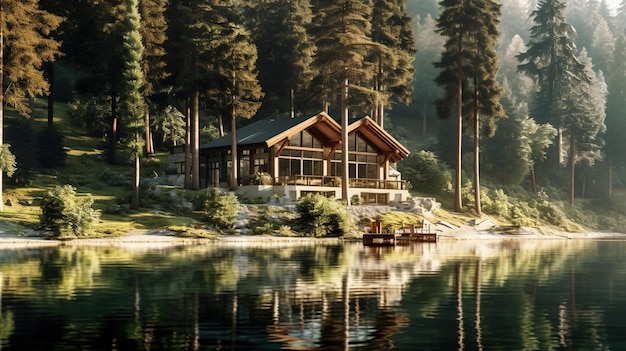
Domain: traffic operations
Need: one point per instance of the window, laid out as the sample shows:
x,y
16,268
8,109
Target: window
x,y
260,165
305,139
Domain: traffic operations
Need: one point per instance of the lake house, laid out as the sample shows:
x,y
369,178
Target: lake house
x,y
293,157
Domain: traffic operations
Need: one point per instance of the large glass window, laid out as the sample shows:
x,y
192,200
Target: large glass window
x,y
303,157
362,160
305,139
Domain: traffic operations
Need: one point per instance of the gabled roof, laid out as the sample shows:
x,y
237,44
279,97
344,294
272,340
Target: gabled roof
x,y
271,131
379,138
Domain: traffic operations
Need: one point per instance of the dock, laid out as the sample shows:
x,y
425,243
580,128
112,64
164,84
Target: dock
x,y
404,235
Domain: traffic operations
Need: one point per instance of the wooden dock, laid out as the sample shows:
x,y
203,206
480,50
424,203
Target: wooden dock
x,y
403,235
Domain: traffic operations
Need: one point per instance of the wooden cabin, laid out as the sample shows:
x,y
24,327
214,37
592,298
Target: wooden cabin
x,y
292,157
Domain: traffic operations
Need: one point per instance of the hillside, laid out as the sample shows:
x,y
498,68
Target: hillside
x,y
87,170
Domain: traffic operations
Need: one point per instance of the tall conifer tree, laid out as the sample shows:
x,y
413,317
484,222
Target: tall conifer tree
x,y
131,97
484,99
24,35
392,28
616,105
342,36
153,33
452,25
285,53
551,60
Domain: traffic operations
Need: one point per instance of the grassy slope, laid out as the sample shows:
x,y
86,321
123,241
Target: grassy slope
x,y
86,163
84,168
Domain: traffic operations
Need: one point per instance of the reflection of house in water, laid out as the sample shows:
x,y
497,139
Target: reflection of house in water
x,y
356,306
291,157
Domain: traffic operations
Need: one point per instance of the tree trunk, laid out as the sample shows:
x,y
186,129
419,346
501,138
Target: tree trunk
x,y
572,163
458,201
381,115
234,168
345,174
114,123
187,162
149,143
220,124
195,141
134,201
292,102
476,166
476,150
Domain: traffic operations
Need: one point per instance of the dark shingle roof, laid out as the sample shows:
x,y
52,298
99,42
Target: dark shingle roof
x,y
257,132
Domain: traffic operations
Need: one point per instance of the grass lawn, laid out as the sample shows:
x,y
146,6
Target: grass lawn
x,y
86,169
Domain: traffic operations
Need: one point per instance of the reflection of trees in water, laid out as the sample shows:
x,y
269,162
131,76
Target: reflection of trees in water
x,y
335,319
323,296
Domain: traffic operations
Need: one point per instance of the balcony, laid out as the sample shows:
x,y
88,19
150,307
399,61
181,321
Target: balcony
x,y
365,183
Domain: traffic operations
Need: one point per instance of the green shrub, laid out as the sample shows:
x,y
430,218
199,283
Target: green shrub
x,y
498,204
221,208
64,213
114,178
425,173
355,200
322,216
258,178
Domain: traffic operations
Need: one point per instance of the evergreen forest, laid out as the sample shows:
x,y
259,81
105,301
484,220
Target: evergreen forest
x,y
514,108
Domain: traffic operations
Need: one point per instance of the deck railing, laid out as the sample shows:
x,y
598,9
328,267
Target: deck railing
x,y
336,182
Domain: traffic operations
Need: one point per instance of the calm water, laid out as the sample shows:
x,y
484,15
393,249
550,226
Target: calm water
x,y
526,295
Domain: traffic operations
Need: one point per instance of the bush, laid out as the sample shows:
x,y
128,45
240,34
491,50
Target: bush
x,y
92,114
258,178
322,216
425,173
65,213
114,178
221,208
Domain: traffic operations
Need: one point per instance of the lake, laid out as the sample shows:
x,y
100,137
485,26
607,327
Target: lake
x,y
451,295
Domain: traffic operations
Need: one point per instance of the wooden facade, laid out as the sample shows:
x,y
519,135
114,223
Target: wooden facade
x,y
301,155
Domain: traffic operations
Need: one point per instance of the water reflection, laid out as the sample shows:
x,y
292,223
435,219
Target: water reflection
x,y
535,295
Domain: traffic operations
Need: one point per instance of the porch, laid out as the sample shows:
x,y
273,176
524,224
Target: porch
x,y
333,181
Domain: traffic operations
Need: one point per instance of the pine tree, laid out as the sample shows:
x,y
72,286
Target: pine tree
x,y
620,18
586,113
285,53
235,86
551,61
213,57
131,98
24,36
468,75
451,24
342,36
484,100
153,33
602,46
616,105
519,143
392,28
